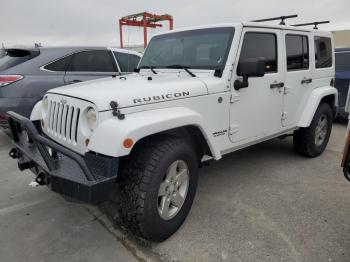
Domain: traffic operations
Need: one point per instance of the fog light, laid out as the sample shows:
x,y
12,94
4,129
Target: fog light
x,y
128,143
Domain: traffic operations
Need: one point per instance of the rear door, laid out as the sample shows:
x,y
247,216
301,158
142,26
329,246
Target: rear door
x,y
298,75
90,64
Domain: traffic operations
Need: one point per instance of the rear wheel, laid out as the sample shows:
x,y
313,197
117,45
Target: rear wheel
x,y
312,141
157,185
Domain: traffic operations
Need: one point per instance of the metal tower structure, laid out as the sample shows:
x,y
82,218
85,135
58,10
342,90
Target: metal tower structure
x,y
145,20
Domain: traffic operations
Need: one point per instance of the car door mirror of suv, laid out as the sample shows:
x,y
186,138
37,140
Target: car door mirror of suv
x,y
251,67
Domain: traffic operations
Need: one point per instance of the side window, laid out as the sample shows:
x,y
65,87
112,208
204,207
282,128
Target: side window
x,y
297,49
92,61
59,65
127,62
257,45
323,52
342,61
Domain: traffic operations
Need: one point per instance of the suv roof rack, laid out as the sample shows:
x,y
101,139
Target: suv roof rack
x,y
282,18
315,24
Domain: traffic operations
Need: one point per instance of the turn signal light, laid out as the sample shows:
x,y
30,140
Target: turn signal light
x,y
332,83
9,79
128,143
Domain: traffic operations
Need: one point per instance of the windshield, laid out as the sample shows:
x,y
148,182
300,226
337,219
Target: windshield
x,y
342,61
198,49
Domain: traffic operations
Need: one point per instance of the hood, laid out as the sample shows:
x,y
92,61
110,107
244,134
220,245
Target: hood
x,y
134,89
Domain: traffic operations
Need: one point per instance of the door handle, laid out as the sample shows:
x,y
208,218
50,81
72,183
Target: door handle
x,y
74,81
277,85
306,81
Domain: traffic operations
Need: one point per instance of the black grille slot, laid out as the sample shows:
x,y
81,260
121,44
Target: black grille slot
x,y
71,124
76,125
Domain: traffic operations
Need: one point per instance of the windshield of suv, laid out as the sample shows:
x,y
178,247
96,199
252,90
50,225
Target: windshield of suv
x,y
197,49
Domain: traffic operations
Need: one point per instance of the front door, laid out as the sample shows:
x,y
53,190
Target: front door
x,y
256,110
298,81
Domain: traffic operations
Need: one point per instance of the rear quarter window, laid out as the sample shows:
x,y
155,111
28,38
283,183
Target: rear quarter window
x,y
323,52
59,65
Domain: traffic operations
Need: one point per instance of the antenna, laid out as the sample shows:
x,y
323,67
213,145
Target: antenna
x,y
282,18
315,24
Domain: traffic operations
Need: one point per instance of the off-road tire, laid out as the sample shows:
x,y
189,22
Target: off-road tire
x,y
140,176
304,138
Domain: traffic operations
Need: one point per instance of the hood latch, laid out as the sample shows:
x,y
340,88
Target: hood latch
x,y
115,111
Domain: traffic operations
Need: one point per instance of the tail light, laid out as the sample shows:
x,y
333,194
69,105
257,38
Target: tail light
x,y
9,79
2,118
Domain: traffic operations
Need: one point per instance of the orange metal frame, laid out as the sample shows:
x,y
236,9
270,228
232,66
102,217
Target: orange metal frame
x,y
144,20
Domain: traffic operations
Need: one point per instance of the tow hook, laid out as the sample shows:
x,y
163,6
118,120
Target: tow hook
x,y
14,153
42,179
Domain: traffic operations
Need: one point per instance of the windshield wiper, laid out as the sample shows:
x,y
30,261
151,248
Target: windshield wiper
x,y
149,67
186,68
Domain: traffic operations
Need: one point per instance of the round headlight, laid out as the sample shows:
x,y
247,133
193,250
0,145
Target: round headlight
x,y
91,118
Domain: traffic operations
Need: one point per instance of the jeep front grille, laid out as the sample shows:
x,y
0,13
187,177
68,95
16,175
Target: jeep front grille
x,y
63,120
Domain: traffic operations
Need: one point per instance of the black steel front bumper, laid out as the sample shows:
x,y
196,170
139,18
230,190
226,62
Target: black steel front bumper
x,y
89,178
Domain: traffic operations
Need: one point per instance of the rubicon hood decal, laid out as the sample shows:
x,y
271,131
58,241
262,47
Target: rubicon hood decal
x,y
134,90
163,97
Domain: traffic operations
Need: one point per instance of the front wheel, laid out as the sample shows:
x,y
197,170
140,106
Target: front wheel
x,y
312,141
157,186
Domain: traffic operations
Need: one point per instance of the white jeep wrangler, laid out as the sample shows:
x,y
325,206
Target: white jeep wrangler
x,y
199,94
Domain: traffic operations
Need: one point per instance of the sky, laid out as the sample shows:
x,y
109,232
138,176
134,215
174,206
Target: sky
x,y
95,22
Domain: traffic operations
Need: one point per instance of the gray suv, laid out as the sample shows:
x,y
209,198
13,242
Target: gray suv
x,y
27,73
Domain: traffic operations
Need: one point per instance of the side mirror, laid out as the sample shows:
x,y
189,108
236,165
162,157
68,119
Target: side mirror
x,y
251,67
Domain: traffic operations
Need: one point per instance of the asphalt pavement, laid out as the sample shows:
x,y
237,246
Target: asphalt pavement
x,y
263,203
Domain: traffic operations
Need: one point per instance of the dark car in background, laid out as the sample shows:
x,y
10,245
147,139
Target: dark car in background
x,y
342,77
27,73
